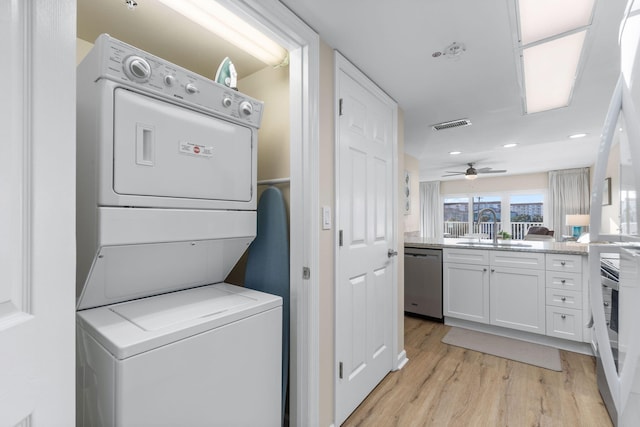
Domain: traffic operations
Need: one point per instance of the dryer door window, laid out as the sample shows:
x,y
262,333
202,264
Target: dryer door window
x,y
164,150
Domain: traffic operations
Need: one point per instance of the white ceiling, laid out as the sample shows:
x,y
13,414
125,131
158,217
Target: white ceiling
x,y
392,41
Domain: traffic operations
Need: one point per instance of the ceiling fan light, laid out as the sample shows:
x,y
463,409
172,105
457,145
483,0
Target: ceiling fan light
x,y
470,177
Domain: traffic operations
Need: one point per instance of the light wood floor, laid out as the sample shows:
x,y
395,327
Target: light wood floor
x,y
443,385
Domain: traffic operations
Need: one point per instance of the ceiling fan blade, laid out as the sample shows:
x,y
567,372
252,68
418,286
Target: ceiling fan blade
x,y
483,170
455,172
492,171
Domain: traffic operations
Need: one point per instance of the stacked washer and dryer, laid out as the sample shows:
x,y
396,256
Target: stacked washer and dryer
x,y
166,205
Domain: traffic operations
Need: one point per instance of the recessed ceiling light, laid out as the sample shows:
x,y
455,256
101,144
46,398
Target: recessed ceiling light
x,y
577,135
455,153
509,145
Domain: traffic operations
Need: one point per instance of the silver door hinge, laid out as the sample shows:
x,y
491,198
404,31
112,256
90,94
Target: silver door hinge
x,y
340,107
306,273
340,370
340,238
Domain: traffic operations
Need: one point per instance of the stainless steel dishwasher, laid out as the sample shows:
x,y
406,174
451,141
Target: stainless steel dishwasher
x,y
423,281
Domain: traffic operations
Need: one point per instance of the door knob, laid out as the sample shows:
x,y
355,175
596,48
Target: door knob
x,y
392,253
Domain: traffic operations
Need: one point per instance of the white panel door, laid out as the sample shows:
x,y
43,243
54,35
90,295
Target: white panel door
x,y
37,228
366,270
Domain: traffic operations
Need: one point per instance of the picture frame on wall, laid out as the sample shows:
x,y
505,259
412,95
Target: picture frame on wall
x,y
606,192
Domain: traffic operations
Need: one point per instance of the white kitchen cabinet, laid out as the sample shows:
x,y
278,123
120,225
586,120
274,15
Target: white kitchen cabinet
x,y
493,287
517,298
564,323
466,285
527,291
565,299
564,281
564,263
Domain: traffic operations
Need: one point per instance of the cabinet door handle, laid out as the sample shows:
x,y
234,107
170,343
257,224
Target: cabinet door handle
x,y
562,263
563,299
606,304
563,316
484,269
493,270
563,281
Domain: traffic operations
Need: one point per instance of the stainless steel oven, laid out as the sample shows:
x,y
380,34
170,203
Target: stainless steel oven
x,y
610,278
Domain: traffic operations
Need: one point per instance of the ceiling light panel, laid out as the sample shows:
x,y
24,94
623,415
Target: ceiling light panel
x,y
550,70
540,19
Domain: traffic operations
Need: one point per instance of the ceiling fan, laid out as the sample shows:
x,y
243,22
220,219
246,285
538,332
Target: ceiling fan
x,y
472,173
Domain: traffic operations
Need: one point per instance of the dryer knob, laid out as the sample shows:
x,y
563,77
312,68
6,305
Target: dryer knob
x,y
169,80
226,102
137,68
191,88
246,108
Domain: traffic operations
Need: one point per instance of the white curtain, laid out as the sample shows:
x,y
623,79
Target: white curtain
x,y
431,222
568,194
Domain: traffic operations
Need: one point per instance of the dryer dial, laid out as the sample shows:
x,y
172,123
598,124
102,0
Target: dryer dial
x,y
246,108
191,88
169,80
137,68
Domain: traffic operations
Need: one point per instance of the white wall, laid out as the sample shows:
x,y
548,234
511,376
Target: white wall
x,y
610,221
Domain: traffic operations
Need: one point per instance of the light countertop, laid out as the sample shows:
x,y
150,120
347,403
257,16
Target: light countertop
x,y
413,241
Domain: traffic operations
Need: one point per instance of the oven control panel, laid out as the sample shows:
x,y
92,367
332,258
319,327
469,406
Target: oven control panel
x,y
133,67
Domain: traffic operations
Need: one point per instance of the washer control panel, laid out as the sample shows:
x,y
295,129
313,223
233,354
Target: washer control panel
x,y
126,64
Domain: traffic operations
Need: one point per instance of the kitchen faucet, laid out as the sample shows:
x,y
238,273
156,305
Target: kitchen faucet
x,y
495,222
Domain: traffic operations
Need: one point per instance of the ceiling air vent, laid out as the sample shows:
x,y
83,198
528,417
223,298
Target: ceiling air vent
x,y
451,124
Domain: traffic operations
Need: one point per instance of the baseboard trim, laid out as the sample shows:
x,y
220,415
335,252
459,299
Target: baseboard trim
x,y
574,346
402,360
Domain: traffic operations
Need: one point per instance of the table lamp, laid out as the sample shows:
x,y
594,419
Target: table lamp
x,y
577,221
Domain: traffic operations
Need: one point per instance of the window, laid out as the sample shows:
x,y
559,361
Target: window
x,y
526,210
456,216
461,214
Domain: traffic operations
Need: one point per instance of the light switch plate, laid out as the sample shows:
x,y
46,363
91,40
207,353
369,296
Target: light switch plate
x,y
326,218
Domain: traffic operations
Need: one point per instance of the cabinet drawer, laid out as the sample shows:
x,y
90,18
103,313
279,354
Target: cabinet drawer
x,y
562,280
563,298
530,260
466,256
564,323
562,262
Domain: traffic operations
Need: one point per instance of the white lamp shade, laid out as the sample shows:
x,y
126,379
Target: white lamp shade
x,y
577,220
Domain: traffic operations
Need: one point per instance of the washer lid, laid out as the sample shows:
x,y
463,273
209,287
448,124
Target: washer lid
x,y
133,327
163,311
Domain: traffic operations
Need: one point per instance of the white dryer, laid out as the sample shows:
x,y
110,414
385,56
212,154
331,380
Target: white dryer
x,y
166,199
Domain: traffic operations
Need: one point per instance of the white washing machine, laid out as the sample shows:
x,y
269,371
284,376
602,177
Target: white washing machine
x,y
166,199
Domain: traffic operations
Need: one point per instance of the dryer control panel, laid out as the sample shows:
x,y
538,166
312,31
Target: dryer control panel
x,y
129,65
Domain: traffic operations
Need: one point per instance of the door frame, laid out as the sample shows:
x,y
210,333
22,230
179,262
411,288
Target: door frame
x,y
303,44
342,64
